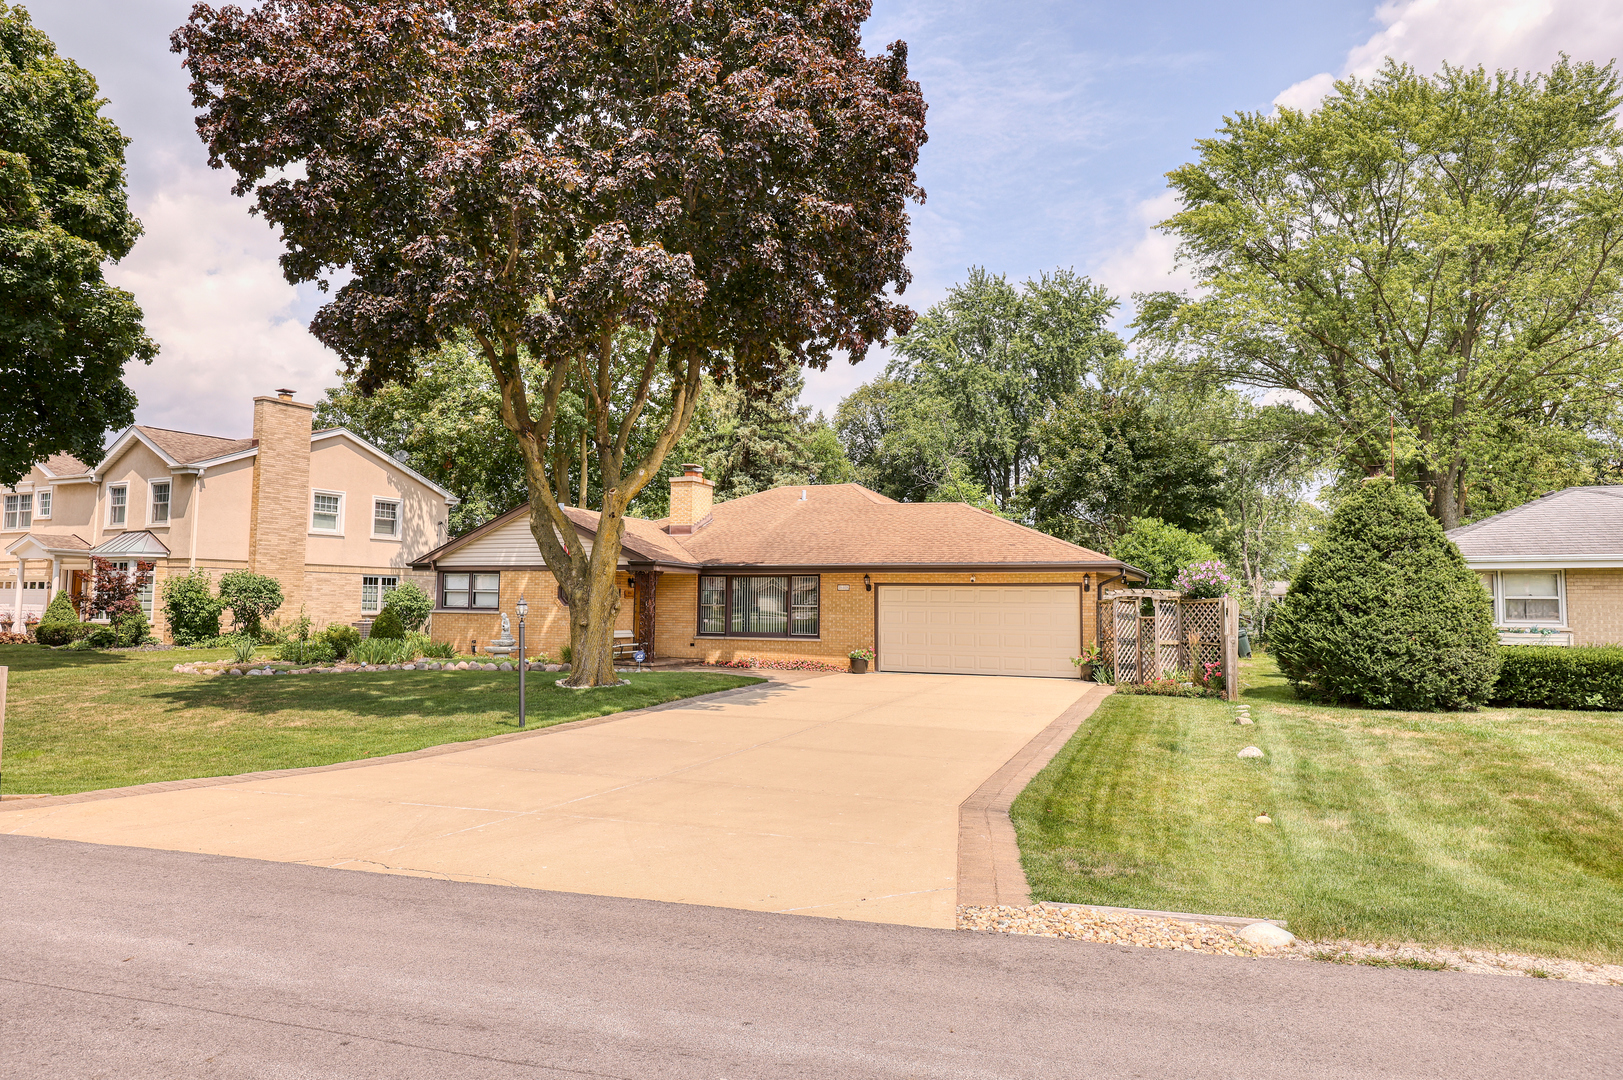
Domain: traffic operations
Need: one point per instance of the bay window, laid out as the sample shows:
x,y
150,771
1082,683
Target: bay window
x,y
759,606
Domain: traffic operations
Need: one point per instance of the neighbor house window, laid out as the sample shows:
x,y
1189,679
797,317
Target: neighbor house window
x,y
385,517
759,606
44,499
117,504
19,511
326,511
470,590
373,590
1531,596
160,503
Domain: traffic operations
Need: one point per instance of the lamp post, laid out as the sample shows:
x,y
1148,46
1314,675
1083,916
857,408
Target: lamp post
x,y
523,661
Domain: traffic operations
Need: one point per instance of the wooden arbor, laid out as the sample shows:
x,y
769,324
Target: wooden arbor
x,y
1147,634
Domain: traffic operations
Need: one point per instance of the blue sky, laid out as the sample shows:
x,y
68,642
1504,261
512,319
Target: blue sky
x,y
1051,126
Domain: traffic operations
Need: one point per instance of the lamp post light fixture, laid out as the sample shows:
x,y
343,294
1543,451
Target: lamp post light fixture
x,y
523,660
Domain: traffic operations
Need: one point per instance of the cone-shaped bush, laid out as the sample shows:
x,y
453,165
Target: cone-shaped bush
x,y
388,625
1385,613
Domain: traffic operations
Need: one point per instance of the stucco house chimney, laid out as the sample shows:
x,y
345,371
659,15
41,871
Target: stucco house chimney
x,y
691,496
280,519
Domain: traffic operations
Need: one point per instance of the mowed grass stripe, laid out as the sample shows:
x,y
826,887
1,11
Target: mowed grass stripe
x,y
1502,828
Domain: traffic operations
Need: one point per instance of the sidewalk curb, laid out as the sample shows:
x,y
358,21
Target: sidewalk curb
x,y
989,870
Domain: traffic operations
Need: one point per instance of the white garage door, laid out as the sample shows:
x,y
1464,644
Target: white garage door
x,y
980,629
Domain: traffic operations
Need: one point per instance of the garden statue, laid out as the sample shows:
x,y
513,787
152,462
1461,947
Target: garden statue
x,y
504,645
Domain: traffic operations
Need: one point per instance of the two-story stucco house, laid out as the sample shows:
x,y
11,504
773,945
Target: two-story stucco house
x,y
332,517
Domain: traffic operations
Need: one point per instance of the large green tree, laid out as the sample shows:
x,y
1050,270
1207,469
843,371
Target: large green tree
x,y
1444,250
65,334
1104,460
987,362
729,179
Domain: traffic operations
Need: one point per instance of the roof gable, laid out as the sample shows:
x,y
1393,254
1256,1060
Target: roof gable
x,y
395,463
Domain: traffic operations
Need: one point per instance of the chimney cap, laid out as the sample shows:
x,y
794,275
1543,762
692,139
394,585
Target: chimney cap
x,y
285,395
691,469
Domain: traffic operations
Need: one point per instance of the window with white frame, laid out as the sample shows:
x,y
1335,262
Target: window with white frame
x,y
158,512
373,591
470,590
386,518
19,511
43,498
327,512
144,594
118,498
1530,596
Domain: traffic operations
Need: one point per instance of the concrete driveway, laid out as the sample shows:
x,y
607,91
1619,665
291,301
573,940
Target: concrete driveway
x,y
836,796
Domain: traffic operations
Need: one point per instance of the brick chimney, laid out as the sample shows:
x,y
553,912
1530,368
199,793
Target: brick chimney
x,y
690,500
280,519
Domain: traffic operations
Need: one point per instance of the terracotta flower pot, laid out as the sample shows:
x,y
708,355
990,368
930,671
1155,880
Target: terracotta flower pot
x,y
858,667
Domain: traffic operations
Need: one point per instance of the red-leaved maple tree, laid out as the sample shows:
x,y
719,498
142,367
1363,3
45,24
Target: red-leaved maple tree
x,y
722,184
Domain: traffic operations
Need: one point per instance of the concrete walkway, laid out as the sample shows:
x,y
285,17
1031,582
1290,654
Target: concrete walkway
x,y
835,796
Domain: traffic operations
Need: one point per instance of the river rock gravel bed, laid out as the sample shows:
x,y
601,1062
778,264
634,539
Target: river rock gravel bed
x,y
1106,928
1154,932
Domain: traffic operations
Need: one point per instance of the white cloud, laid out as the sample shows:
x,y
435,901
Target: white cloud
x,y
1148,263
228,324
1526,34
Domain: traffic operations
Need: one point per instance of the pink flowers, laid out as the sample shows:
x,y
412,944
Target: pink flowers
x,y
1205,580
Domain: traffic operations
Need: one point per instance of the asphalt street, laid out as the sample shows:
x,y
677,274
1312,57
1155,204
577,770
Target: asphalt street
x,y
128,963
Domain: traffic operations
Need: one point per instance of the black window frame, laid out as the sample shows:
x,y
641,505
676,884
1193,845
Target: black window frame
x,y
727,608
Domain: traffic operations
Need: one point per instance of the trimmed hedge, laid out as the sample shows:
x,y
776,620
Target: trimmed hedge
x,y
1556,677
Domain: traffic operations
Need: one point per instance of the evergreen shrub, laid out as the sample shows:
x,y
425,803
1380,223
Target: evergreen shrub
x,y
1385,613
60,624
1552,677
387,625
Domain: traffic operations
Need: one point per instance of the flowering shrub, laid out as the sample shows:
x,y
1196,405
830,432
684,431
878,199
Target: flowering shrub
x,y
1205,580
1209,674
777,665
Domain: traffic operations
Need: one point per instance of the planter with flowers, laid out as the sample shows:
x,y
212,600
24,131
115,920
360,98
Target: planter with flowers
x,y
860,659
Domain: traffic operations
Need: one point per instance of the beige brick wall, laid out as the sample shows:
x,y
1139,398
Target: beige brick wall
x,y
1595,606
279,520
333,593
847,618
546,628
691,499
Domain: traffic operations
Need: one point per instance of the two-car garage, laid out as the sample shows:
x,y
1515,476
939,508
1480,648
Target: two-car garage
x,y
980,629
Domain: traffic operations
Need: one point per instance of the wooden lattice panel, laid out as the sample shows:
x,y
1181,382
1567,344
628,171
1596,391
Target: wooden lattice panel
x,y
1204,617
1124,614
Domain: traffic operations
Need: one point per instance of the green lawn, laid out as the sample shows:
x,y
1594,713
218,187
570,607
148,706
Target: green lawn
x,y
77,721
1496,828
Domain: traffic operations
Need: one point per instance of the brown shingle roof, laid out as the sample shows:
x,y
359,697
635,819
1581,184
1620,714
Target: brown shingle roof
x,y
848,525
836,525
187,447
65,465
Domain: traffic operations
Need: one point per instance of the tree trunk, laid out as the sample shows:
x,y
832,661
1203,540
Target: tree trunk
x,y
592,632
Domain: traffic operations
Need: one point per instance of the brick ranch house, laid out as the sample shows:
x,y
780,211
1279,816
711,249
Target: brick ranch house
x,y
1554,567
800,573
326,513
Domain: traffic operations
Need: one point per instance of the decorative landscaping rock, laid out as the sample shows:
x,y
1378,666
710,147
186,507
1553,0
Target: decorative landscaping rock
x,y
1266,935
1250,751
1264,819
504,666
463,666
490,667
1110,928
1243,720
